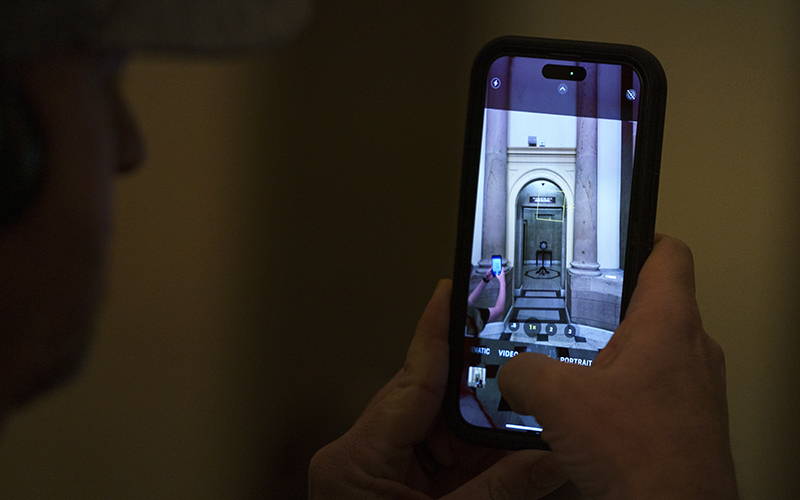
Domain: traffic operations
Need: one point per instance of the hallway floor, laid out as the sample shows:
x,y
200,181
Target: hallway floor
x,y
539,315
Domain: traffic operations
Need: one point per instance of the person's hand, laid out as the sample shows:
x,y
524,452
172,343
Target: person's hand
x,y
489,275
649,418
401,446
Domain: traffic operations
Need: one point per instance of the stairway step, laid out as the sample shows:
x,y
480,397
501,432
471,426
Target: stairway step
x,y
539,303
540,293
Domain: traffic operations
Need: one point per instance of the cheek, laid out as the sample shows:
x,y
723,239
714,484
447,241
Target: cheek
x,y
72,217
53,262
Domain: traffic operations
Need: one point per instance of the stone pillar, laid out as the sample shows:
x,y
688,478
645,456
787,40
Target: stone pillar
x,y
626,177
584,252
495,187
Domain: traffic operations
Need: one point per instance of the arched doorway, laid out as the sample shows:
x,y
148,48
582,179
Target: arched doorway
x,y
541,238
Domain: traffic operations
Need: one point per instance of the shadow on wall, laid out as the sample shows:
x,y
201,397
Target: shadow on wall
x,y
365,167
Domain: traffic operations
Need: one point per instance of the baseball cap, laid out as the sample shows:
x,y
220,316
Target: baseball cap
x,y
28,27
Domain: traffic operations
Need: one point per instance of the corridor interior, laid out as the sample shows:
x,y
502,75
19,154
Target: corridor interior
x,y
539,314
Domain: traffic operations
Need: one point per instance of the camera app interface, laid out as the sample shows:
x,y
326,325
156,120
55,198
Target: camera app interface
x,y
552,204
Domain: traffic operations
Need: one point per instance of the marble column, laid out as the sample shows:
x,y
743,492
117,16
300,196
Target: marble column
x,y
584,252
495,187
626,175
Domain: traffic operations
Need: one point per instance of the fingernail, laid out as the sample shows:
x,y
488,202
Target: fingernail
x,y
547,473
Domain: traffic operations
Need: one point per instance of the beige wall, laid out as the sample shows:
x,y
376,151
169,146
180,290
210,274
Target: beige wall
x,y
273,255
729,187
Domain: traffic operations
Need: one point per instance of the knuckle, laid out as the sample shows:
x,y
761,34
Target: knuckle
x,y
320,461
716,356
498,488
318,471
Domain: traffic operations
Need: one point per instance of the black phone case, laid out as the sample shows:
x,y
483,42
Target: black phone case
x,y
644,191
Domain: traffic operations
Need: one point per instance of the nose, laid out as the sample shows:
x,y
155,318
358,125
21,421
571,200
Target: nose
x,y
130,144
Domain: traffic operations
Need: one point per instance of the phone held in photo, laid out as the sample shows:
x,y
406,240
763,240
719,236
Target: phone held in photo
x,y
558,191
497,264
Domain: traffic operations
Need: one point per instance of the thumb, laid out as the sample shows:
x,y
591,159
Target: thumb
x,y
516,382
529,474
402,412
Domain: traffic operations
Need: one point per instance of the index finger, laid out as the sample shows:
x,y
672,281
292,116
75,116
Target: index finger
x,y
663,305
665,285
409,402
669,269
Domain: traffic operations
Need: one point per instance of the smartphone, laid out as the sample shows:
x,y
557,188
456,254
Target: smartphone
x,y
560,175
497,264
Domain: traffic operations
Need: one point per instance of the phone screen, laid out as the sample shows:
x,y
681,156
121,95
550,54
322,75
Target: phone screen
x,y
553,198
497,264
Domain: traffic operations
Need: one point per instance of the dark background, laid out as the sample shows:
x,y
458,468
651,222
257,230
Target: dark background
x,y
297,209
